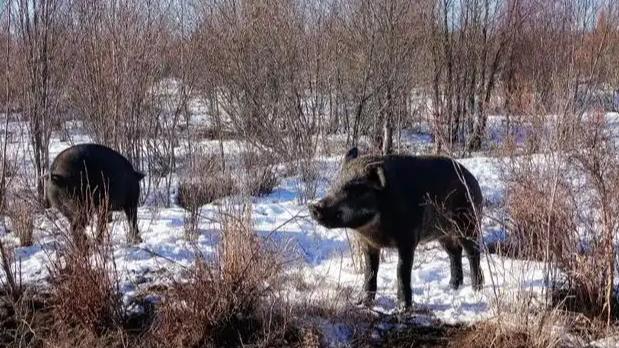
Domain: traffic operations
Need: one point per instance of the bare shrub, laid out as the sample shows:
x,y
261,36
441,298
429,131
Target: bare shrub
x,y
564,211
160,164
261,178
592,272
25,320
203,183
221,300
84,295
539,230
262,181
85,291
308,184
212,132
193,194
11,169
20,211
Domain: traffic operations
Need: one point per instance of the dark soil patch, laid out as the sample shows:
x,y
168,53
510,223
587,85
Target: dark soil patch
x,y
23,321
416,336
589,303
391,331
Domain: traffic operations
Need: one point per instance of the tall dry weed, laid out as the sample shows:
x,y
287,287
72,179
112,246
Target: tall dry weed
x,y
84,282
564,210
222,300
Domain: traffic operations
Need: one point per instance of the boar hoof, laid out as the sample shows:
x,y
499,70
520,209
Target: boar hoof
x,y
366,302
133,240
403,306
455,284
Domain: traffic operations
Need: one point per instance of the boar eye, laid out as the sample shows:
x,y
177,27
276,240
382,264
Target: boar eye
x,y
356,191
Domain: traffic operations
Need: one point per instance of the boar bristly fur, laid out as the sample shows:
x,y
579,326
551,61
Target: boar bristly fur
x,y
399,201
84,177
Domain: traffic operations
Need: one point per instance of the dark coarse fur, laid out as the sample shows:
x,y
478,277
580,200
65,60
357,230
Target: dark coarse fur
x,y
399,201
85,177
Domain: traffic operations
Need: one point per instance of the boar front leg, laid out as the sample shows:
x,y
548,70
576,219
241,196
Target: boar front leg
x,y
405,267
371,256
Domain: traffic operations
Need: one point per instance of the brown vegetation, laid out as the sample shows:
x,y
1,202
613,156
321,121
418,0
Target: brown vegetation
x,y
139,75
563,211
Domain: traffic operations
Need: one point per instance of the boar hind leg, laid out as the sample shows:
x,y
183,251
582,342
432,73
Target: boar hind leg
x,y
102,224
371,258
454,250
405,267
78,229
133,237
473,253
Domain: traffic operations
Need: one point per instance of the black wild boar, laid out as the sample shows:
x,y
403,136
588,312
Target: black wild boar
x,y
84,177
399,201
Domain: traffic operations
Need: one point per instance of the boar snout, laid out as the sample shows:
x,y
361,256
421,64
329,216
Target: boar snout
x,y
324,214
316,210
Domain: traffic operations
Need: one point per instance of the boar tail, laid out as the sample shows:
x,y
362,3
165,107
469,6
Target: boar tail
x,y
139,175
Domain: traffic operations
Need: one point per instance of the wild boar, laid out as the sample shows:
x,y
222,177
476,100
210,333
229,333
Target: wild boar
x,y
399,201
83,178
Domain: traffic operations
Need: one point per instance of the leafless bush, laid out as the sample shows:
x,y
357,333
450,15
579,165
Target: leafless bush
x,y
596,159
261,181
161,164
203,183
85,291
261,178
563,208
192,195
221,300
206,181
212,132
11,169
539,229
308,173
21,213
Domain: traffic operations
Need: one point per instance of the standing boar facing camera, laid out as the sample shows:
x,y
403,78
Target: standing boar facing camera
x,y
83,178
398,201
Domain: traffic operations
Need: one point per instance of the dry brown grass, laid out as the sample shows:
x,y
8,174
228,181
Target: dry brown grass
x,y
540,229
564,211
487,335
261,178
84,290
484,334
22,220
209,179
204,182
223,300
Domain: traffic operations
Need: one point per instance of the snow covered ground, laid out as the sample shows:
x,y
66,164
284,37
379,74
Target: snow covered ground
x,y
326,259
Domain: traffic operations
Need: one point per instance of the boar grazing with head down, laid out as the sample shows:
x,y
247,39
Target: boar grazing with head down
x,y
399,201
86,178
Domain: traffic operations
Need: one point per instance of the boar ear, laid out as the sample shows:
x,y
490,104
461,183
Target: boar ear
x,y
139,175
351,154
376,173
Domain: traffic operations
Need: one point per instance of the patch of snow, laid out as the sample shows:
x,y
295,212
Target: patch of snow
x,y
326,258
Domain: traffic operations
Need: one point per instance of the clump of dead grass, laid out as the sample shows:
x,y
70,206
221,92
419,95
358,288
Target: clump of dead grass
x,y
542,225
20,212
223,299
564,211
84,285
261,178
204,182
